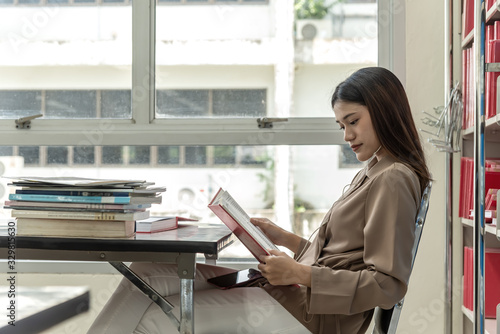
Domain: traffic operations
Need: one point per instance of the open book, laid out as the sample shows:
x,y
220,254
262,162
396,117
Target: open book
x,y
231,214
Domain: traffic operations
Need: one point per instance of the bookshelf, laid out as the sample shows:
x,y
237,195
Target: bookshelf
x,y
480,141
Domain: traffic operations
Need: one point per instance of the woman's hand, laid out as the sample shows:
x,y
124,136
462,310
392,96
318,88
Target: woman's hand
x,y
281,269
277,235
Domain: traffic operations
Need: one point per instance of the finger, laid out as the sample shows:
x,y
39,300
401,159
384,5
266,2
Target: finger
x,y
275,252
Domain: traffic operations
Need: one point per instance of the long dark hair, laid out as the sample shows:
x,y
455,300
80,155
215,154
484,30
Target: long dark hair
x,y
383,94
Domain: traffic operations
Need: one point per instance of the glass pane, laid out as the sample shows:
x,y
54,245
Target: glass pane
x,y
224,155
6,150
237,54
31,154
244,103
116,104
57,155
168,155
318,179
63,54
83,155
70,104
182,103
112,155
20,103
196,155
139,155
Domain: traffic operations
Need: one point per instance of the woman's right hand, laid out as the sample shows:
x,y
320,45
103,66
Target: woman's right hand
x,y
276,234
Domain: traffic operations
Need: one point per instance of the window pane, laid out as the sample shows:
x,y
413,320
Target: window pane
x,y
253,155
243,103
182,103
19,103
70,104
139,155
31,154
196,155
83,155
112,155
224,155
168,155
67,53
6,151
57,155
116,104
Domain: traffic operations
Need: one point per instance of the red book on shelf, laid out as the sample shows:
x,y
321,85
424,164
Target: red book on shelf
x,y
491,280
236,219
491,79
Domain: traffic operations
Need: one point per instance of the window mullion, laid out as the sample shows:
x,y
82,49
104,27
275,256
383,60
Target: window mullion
x,y
143,61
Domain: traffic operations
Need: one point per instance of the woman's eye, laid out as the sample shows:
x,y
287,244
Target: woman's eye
x,y
353,122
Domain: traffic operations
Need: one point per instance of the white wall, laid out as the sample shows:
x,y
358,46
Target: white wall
x,y
424,307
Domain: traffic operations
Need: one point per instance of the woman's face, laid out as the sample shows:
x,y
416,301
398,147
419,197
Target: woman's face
x,y
354,119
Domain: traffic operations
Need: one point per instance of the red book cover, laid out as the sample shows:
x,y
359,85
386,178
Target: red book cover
x,y
239,223
468,279
464,86
491,282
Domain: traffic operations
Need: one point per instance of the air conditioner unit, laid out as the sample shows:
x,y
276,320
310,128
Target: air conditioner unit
x,y
309,29
9,166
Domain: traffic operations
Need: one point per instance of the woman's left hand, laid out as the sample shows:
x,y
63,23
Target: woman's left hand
x,y
281,269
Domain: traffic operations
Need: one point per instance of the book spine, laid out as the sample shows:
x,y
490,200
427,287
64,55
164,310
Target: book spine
x,y
71,193
70,199
72,215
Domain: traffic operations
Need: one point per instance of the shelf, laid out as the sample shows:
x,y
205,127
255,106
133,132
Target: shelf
x,y
491,229
493,14
491,130
468,39
489,324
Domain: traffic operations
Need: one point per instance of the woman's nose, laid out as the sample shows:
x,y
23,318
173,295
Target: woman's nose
x,y
348,135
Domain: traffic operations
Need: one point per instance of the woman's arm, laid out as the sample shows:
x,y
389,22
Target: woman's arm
x,y
278,235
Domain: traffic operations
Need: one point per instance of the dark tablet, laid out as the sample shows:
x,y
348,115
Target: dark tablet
x,y
239,278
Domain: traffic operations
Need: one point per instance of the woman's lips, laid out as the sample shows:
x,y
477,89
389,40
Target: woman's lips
x,y
355,147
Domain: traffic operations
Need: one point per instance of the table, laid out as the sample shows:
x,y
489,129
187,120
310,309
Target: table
x,y
178,246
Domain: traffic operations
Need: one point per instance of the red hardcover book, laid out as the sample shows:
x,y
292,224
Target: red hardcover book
x,y
236,219
468,280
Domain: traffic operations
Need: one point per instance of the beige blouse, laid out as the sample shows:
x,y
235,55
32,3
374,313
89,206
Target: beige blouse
x,y
361,256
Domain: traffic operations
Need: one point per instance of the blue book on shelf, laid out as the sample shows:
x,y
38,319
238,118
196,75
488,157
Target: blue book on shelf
x,y
69,199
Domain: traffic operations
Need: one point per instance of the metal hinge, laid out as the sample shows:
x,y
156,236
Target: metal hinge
x,y
266,122
25,122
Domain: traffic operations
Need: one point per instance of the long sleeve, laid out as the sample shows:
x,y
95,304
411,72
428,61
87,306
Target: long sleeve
x,y
365,260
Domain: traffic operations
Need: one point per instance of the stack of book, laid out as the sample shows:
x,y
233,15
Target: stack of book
x,y
80,207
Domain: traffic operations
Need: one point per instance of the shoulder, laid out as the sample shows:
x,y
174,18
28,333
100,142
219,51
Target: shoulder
x,y
396,178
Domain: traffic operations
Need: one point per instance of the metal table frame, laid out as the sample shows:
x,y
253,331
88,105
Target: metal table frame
x,y
165,247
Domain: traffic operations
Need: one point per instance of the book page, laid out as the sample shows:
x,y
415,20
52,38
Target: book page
x,y
233,208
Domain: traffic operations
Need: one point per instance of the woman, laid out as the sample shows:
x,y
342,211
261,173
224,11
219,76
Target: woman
x,y
360,257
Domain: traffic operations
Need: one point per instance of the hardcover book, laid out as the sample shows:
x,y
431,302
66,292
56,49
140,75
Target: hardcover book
x,y
159,224
238,221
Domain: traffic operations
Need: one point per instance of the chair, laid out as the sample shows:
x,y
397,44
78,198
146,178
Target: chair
x,y
386,321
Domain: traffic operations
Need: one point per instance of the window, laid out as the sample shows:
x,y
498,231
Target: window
x,y
183,103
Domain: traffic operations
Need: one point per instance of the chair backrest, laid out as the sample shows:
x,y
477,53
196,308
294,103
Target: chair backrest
x,y
386,321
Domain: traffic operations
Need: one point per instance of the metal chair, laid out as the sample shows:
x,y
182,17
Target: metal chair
x,y
386,321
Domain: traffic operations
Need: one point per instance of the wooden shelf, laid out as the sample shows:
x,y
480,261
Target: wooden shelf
x,y
489,324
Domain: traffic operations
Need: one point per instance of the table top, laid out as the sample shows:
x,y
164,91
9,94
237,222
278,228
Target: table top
x,y
187,238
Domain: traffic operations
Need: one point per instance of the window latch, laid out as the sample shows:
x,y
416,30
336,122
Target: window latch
x,y
25,122
267,122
